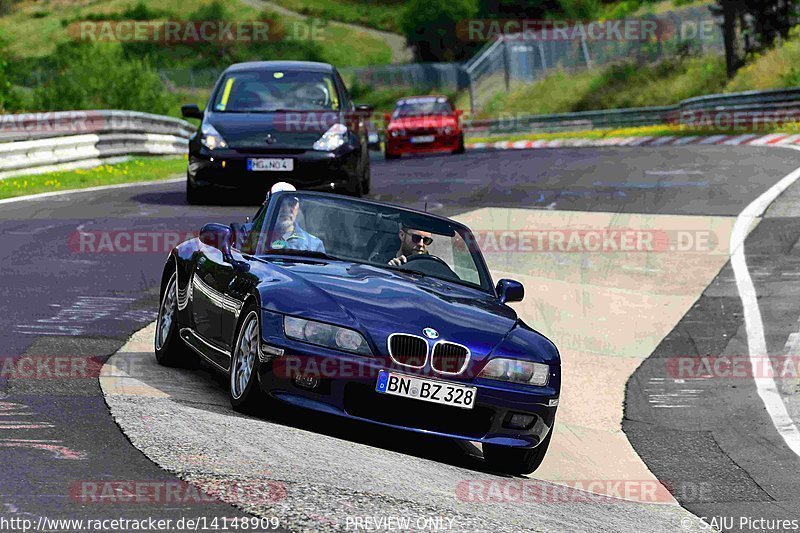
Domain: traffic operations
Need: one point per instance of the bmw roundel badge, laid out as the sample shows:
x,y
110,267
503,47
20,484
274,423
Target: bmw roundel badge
x,y
430,333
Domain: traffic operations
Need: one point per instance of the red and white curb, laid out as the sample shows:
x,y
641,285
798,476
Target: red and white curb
x,y
772,139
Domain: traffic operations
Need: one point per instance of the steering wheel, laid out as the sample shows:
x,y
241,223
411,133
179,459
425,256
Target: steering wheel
x,y
430,264
418,257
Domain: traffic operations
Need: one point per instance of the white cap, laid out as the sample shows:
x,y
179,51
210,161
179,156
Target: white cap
x,y
282,186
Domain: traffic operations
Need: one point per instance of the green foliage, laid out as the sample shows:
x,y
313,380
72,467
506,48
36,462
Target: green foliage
x,y
99,76
430,27
622,85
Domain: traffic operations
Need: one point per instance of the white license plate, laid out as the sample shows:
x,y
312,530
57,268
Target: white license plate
x,y
285,164
423,139
429,390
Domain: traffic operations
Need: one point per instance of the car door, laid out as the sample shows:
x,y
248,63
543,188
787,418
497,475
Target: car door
x,y
211,278
239,286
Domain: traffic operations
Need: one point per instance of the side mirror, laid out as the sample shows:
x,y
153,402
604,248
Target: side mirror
x,y
191,111
220,236
387,117
217,236
459,112
509,290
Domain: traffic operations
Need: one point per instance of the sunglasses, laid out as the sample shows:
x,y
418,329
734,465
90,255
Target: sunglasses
x,y
417,238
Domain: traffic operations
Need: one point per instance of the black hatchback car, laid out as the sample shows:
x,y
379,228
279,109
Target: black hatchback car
x,y
271,121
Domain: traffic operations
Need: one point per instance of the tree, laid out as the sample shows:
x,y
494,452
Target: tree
x,y
431,27
752,25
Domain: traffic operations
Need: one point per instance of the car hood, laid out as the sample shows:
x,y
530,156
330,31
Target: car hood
x,y
426,121
380,302
290,130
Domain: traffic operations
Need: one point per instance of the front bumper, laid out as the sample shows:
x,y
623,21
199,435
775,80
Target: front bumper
x,y
313,170
346,387
441,143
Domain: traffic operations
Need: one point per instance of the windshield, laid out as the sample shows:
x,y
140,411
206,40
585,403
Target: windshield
x,y
352,230
430,105
264,91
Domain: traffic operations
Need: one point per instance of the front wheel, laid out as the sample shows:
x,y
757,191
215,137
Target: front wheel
x,y
461,148
169,348
515,461
244,392
195,195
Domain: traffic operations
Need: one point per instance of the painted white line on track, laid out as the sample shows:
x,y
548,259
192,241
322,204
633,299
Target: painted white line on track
x,y
754,325
32,197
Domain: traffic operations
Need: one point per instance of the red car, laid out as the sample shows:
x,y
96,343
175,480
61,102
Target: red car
x,y
423,124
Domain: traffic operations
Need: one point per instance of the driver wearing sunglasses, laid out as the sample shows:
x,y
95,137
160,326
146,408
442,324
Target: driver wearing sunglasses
x,y
412,242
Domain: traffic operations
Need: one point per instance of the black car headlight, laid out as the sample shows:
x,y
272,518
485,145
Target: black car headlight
x,y
211,138
332,139
516,371
325,335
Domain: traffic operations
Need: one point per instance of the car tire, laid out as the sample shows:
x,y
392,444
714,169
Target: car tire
x,y
195,195
461,148
244,390
390,156
170,350
366,184
515,461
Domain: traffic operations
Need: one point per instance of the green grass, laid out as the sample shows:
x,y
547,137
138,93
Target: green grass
x,y
774,69
616,86
136,169
380,14
34,28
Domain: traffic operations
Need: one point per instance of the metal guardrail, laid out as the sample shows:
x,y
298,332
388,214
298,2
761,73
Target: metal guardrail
x,y
33,143
753,108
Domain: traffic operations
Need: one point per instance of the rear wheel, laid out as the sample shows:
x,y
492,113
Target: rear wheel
x,y
243,391
169,348
516,461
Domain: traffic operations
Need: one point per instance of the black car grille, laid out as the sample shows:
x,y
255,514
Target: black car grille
x,y
449,358
363,402
270,151
408,350
422,131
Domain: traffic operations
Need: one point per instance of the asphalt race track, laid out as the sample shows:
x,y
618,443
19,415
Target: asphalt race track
x,y
623,320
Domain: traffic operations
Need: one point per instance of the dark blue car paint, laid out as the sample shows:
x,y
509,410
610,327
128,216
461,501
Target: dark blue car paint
x,y
376,302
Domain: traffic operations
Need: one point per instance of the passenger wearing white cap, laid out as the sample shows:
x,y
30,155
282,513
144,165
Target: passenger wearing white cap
x,y
289,234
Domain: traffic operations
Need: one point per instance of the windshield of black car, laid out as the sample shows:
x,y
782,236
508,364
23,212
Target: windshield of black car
x,y
270,91
423,106
362,232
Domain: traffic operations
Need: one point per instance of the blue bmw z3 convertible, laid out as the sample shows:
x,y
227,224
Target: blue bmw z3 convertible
x,y
368,311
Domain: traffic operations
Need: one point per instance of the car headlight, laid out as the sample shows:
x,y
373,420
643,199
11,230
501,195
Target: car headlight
x,y
398,133
325,335
447,130
211,138
516,371
332,139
